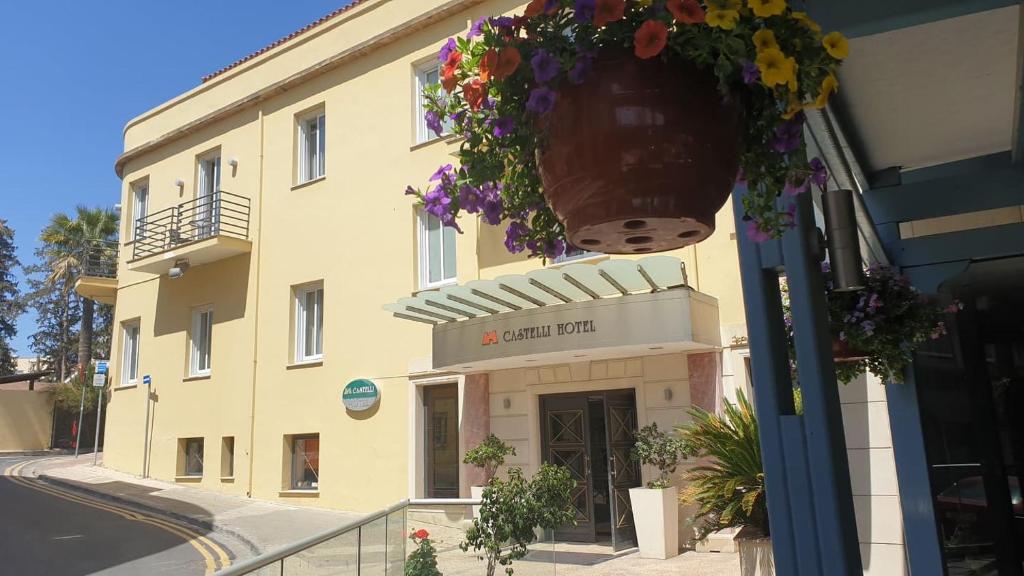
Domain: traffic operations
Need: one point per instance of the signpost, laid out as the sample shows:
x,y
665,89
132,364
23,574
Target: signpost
x,y
147,381
99,380
359,395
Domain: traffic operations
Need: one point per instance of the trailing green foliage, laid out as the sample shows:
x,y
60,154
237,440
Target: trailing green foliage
x,y
489,455
654,447
68,395
729,486
512,509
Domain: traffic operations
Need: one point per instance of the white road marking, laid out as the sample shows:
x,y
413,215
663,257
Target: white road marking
x,y
69,537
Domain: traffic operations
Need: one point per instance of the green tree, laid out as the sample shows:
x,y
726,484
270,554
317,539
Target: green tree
x,y
10,303
65,241
57,315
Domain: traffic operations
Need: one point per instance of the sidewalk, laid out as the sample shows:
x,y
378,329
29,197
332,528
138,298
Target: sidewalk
x,y
262,526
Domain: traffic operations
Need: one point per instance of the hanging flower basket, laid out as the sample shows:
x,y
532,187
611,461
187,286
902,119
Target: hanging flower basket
x,y
623,125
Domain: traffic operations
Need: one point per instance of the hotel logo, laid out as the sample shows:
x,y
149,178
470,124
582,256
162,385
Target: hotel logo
x,y
490,338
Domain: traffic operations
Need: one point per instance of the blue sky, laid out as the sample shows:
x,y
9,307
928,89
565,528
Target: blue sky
x,y
73,72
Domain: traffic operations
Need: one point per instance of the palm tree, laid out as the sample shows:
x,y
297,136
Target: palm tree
x,y
65,242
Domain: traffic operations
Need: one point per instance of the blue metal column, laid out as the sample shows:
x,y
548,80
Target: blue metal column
x,y
810,507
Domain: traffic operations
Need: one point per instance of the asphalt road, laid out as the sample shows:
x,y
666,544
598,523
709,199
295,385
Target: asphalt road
x,y
45,530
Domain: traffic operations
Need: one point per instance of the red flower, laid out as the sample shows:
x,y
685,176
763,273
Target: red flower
x,y
488,64
474,91
650,39
448,70
686,11
606,11
535,7
499,65
420,534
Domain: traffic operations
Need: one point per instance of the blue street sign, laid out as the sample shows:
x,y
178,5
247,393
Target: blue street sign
x,y
101,366
147,380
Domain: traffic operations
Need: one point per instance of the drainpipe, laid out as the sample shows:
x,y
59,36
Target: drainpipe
x,y
256,320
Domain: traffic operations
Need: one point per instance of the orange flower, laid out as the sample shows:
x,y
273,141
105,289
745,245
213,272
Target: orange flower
x,y
650,39
606,11
474,91
686,11
448,78
508,62
488,63
534,8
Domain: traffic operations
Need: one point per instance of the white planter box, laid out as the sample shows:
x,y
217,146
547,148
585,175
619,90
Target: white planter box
x,y
756,557
656,516
476,492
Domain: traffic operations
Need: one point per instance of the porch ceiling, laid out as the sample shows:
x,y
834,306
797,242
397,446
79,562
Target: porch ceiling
x,y
933,93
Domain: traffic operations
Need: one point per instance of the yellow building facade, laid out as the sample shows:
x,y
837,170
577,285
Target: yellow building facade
x,y
264,230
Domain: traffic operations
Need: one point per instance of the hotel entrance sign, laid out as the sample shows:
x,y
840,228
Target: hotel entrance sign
x,y
359,395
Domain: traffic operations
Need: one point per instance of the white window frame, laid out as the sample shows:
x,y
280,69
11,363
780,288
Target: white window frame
x,y
196,367
301,295
423,255
140,208
564,257
312,158
424,134
131,336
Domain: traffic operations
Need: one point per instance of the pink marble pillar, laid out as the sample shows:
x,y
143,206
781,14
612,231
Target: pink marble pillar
x,y
476,425
705,380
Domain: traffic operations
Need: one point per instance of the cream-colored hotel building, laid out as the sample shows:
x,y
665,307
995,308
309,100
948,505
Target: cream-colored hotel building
x,y
268,258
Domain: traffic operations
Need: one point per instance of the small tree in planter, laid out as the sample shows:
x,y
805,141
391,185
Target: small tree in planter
x,y
512,509
422,561
729,487
489,455
656,508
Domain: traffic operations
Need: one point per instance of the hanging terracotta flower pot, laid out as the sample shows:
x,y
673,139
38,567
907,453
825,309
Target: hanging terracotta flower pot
x,y
843,352
640,156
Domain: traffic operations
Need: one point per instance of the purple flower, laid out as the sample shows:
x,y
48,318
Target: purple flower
x,y
545,66
410,191
514,235
584,10
446,50
470,199
442,172
477,28
819,174
503,126
553,249
755,233
492,203
789,135
750,72
503,23
580,70
868,327
433,121
793,190
541,101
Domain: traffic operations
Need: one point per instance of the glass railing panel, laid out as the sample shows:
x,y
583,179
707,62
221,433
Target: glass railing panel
x,y
338,556
373,548
396,543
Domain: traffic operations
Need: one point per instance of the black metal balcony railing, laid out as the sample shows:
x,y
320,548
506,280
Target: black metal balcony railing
x,y
217,214
99,259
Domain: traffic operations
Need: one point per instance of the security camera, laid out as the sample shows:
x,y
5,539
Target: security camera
x,y
178,270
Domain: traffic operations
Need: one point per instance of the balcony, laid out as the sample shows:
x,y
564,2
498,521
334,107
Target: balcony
x,y
98,278
200,231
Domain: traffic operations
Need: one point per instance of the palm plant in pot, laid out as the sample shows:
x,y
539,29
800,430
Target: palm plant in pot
x,y
487,456
656,507
728,484
623,125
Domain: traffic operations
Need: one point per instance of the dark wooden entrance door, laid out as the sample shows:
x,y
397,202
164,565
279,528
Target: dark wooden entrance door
x,y
624,471
566,442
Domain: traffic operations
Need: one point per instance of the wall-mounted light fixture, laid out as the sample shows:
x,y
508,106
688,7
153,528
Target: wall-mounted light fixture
x,y
842,240
178,270
179,183
233,162
506,403
668,394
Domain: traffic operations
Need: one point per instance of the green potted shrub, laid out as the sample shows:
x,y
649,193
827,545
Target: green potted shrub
x,y
513,509
728,486
656,507
487,456
422,561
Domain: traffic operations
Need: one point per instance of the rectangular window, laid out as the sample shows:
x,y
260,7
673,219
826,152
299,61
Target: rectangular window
x,y
305,465
201,337
427,76
130,355
227,457
309,323
437,252
140,209
312,147
441,440
193,457
202,221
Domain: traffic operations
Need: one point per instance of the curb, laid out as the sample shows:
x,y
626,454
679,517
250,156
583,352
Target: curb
x,y
54,452
153,510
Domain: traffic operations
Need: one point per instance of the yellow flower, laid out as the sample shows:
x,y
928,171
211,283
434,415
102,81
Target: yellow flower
x,y
724,19
794,107
774,67
836,45
764,39
766,8
791,83
804,19
828,87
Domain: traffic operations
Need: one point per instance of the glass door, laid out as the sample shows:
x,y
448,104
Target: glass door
x,y
624,471
566,438
205,215
441,440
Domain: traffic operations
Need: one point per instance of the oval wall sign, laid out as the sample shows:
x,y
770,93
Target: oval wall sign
x,y
359,395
